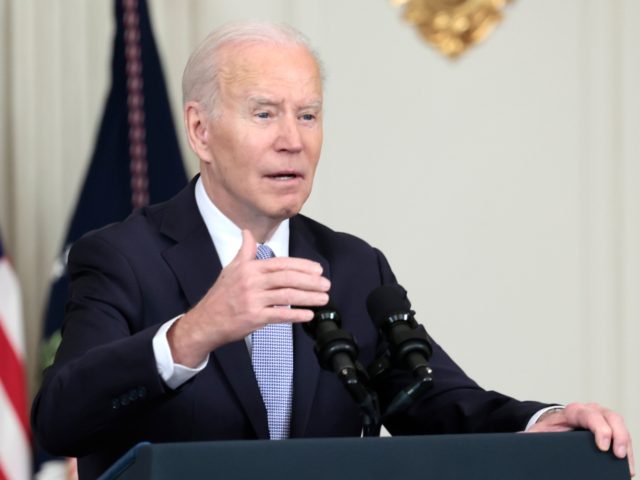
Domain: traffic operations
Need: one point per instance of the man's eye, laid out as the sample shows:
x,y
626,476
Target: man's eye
x,y
307,117
263,115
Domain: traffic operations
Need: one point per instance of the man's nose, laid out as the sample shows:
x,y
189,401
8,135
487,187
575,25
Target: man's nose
x,y
289,137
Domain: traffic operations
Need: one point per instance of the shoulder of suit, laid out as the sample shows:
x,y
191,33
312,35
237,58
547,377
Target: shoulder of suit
x,y
326,234
149,218
138,226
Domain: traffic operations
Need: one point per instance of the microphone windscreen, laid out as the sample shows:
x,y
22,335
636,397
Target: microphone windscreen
x,y
385,301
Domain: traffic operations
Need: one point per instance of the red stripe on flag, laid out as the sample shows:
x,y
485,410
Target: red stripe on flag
x,y
2,475
12,377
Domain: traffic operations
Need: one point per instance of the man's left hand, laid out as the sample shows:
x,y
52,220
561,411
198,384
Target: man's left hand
x,y
607,426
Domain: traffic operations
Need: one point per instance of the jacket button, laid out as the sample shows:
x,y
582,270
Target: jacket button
x,y
142,392
133,395
124,400
115,404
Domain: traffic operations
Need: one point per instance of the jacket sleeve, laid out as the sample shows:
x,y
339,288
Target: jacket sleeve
x,y
105,370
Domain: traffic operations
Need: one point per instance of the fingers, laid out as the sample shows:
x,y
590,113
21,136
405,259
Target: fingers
x,y
620,435
301,285
290,287
292,296
248,248
632,460
293,279
287,315
250,293
281,280
290,263
622,446
607,426
591,417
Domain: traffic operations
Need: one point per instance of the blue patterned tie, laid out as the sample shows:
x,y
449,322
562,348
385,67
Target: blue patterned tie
x,y
272,358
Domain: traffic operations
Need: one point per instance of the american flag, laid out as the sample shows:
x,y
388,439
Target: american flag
x,y
15,443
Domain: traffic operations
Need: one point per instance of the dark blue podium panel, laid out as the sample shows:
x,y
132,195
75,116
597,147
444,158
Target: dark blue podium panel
x,y
540,456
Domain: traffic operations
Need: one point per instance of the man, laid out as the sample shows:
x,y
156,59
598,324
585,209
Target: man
x,y
171,313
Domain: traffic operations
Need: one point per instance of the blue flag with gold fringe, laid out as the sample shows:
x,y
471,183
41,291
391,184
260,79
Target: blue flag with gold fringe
x,y
136,159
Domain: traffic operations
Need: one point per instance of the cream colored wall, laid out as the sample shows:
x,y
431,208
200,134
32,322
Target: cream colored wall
x,y
503,187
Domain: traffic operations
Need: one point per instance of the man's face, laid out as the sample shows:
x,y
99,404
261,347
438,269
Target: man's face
x,y
264,141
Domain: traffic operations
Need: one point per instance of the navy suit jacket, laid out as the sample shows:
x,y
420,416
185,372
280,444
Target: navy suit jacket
x,y
103,393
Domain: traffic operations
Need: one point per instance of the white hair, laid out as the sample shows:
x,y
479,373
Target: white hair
x,y
200,80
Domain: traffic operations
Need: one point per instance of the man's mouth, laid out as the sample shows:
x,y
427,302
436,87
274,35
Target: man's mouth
x,y
282,176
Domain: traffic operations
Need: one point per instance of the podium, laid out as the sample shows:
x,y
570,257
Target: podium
x,y
548,456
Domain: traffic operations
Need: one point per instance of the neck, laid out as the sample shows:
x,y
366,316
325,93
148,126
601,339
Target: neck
x,y
260,226
262,233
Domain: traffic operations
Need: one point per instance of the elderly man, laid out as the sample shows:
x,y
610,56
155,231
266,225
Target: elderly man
x,y
178,326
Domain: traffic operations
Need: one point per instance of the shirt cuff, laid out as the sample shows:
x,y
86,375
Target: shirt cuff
x,y
172,373
539,413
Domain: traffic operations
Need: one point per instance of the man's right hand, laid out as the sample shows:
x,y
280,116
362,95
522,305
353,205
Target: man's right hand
x,y
248,295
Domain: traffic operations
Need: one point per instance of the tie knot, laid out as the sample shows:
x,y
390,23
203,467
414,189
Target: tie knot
x,y
264,252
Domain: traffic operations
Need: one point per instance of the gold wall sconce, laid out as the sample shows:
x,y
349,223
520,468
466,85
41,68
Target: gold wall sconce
x,y
452,26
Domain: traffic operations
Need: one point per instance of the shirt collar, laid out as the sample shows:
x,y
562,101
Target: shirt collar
x,y
227,236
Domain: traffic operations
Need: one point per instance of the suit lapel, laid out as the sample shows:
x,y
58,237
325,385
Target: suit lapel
x,y
196,265
306,370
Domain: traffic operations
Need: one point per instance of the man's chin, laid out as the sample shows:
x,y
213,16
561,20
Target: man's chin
x,y
284,212
284,207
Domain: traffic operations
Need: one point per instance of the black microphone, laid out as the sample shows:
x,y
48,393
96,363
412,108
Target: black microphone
x,y
335,348
409,344
337,351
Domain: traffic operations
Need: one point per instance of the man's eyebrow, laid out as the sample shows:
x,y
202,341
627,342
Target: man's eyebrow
x,y
314,105
270,102
260,100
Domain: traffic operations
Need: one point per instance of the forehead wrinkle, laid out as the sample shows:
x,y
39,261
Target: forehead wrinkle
x,y
235,70
237,74
240,72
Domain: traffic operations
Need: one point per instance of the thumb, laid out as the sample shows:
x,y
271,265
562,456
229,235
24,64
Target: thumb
x,y
248,248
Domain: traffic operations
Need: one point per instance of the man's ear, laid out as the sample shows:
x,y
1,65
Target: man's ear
x,y
196,122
